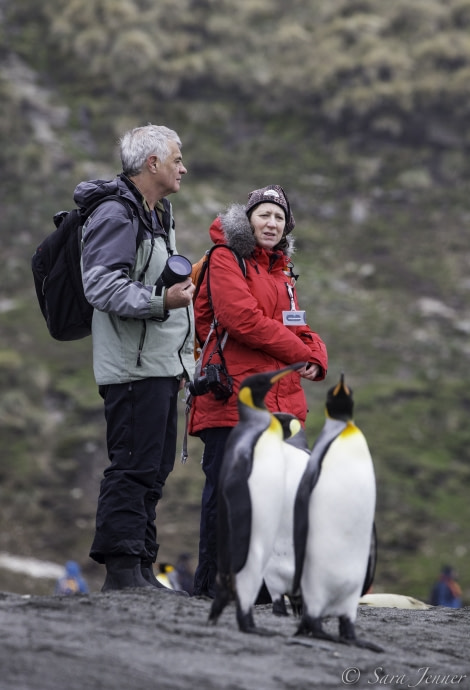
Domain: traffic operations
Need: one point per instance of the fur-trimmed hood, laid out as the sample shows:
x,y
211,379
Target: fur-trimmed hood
x,y
232,227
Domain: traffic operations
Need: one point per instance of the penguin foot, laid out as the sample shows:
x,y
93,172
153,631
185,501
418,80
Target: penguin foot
x,y
312,627
363,644
263,632
222,598
296,604
279,607
247,625
245,621
347,635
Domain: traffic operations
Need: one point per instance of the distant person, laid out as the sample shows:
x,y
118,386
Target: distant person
x,y
72,581
184,575
446,591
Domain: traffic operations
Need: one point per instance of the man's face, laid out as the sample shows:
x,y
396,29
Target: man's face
x,y
170,170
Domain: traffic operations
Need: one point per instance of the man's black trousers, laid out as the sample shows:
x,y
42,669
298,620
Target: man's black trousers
x,y
141,419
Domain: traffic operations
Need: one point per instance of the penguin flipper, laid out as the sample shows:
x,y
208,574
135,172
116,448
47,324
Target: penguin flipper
x,y
331,430
371,563
233,533
238,501
234,502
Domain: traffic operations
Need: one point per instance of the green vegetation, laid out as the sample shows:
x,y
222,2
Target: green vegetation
x,y
360,109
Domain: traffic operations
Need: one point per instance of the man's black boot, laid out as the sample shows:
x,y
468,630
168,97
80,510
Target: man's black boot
x,y
123,572
149,576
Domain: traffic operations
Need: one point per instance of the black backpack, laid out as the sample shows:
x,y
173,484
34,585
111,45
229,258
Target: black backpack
x,y
57,273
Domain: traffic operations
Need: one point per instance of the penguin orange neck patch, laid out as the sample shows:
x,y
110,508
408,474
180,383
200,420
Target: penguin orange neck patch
x,y
245,396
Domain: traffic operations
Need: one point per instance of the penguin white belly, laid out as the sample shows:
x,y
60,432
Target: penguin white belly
x,y
266,486
279,572
341,515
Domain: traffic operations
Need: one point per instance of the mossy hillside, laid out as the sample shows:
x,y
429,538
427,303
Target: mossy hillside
x,y
364,122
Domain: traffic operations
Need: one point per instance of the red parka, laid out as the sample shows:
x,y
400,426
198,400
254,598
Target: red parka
x,y
250,310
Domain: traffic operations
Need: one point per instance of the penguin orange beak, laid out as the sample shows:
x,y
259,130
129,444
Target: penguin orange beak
x,y
287,370
341,385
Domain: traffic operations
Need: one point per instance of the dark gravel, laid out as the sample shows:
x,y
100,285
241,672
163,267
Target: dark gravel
x,y
150,639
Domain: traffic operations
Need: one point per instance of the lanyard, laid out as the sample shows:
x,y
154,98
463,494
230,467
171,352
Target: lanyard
x,y
293,317
290,292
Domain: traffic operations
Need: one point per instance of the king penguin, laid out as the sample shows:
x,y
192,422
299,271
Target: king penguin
x,y
250,499
279,572
334,536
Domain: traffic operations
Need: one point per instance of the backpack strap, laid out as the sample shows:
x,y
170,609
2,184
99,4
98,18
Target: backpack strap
x,y
221,338
241,263
199,271
133,215
200,268
86,213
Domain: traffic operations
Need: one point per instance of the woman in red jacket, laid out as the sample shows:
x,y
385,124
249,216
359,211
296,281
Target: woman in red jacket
x,y
252,295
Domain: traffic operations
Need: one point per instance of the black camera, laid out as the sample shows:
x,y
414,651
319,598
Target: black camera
x,y
177,269
215,380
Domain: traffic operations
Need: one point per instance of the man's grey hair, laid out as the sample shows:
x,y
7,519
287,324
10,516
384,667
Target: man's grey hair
x,y
141,142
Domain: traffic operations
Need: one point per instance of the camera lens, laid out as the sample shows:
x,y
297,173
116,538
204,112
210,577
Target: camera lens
x,y
180,265
177,268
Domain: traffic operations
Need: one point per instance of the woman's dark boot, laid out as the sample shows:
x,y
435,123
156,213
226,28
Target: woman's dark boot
x,y
123,572
146,568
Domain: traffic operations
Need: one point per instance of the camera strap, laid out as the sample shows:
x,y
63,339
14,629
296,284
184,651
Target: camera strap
x,y
220,344
188,398
221,339
219,347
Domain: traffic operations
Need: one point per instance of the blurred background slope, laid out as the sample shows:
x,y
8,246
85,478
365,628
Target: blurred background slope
x,y
361,110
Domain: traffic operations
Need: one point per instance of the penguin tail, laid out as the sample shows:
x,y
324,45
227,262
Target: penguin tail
x,y
371,563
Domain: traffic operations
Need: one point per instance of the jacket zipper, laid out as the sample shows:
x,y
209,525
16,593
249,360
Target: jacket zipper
x,y
141,343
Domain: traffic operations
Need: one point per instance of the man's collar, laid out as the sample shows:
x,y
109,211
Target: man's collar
x,y
136,191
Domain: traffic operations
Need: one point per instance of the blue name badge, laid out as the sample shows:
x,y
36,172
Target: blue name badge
x,y
294,318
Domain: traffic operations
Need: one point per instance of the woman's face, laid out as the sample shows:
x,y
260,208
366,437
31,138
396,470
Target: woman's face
x,y
268,222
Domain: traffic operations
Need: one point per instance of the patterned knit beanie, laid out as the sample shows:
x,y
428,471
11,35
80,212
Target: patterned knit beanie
x,y
273,194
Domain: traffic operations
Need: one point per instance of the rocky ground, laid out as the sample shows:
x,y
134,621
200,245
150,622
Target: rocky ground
x,y
152,639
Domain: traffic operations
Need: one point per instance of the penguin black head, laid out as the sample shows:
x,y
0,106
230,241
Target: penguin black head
x,y
339,401
292,430
253,389
290,424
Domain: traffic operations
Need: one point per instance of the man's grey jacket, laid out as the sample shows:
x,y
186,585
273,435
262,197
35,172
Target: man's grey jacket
x,y
131,338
